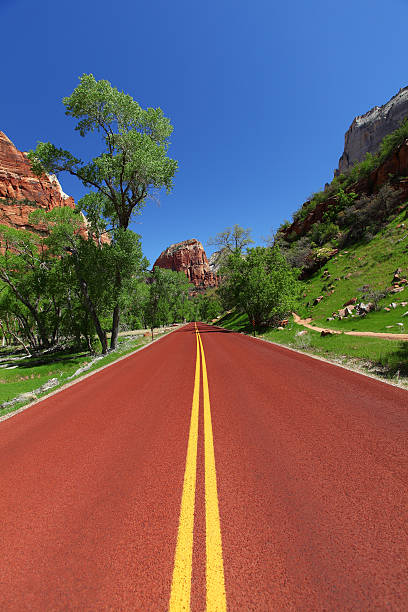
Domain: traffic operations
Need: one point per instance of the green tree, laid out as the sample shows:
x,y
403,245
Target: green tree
x,y
132,165
94,263
262,284
231,240
33,277
167,289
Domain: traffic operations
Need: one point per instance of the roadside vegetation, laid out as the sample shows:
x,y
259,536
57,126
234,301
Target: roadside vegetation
x,y
351,266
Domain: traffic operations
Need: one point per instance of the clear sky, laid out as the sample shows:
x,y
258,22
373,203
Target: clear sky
x,y
259,92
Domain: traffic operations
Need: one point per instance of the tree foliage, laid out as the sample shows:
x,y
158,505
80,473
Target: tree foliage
x,y
168,297
131,166
261,284
232,239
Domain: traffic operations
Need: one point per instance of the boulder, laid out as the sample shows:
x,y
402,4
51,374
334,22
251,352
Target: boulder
x,y
26,397
53,382
363,309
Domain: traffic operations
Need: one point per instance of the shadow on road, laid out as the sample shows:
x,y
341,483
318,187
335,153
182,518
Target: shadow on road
x,y
209,330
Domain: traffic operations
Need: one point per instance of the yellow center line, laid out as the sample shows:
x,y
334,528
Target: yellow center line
x,y
216,597
181,583
183,560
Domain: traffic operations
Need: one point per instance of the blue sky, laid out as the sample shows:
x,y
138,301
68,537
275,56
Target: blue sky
x,y
260,93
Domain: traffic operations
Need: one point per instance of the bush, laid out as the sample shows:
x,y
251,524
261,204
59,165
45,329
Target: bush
x,y
368,214
299,255
393,140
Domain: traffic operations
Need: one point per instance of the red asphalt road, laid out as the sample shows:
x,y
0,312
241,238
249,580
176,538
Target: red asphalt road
x,y
312,476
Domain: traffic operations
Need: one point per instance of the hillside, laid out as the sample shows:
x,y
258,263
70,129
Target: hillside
x,y
350,245
363,273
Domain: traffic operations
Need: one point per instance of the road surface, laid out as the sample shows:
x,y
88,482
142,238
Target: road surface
x,y
208,471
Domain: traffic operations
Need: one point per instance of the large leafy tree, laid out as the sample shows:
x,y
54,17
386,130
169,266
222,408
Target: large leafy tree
x,y
93,263
261,284
31,279
132,164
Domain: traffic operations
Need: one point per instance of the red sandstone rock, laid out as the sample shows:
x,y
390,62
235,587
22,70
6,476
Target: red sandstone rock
x,y
21,191
188,257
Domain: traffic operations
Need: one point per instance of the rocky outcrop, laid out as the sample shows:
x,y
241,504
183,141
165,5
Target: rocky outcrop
x,y
188,257
393,171
367,131
21,191
217,259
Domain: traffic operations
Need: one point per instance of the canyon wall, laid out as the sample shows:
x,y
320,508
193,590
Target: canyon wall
x,y
367,131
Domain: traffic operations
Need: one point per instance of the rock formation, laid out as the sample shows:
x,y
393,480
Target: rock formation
x,y
367,131
21,191
394,171
188,257
217,259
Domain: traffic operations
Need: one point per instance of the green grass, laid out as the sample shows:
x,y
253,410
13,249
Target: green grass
x,y
33,372
373,264
236,322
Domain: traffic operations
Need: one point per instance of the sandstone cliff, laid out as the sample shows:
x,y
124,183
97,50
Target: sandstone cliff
x,y
367,131
188,257
21,191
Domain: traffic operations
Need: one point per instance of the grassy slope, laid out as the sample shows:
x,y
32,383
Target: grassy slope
x,y
373,264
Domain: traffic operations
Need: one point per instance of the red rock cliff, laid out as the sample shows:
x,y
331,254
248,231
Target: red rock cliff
x,y
21,191
188,257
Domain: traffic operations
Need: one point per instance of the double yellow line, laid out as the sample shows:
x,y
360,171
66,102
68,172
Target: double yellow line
x,y
181,584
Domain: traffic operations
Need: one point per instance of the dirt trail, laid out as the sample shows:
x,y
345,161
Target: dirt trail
x,y
307,323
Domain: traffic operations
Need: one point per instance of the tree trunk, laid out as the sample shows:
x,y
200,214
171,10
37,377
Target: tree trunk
x,y
17,338
91,309
116,311
115,327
